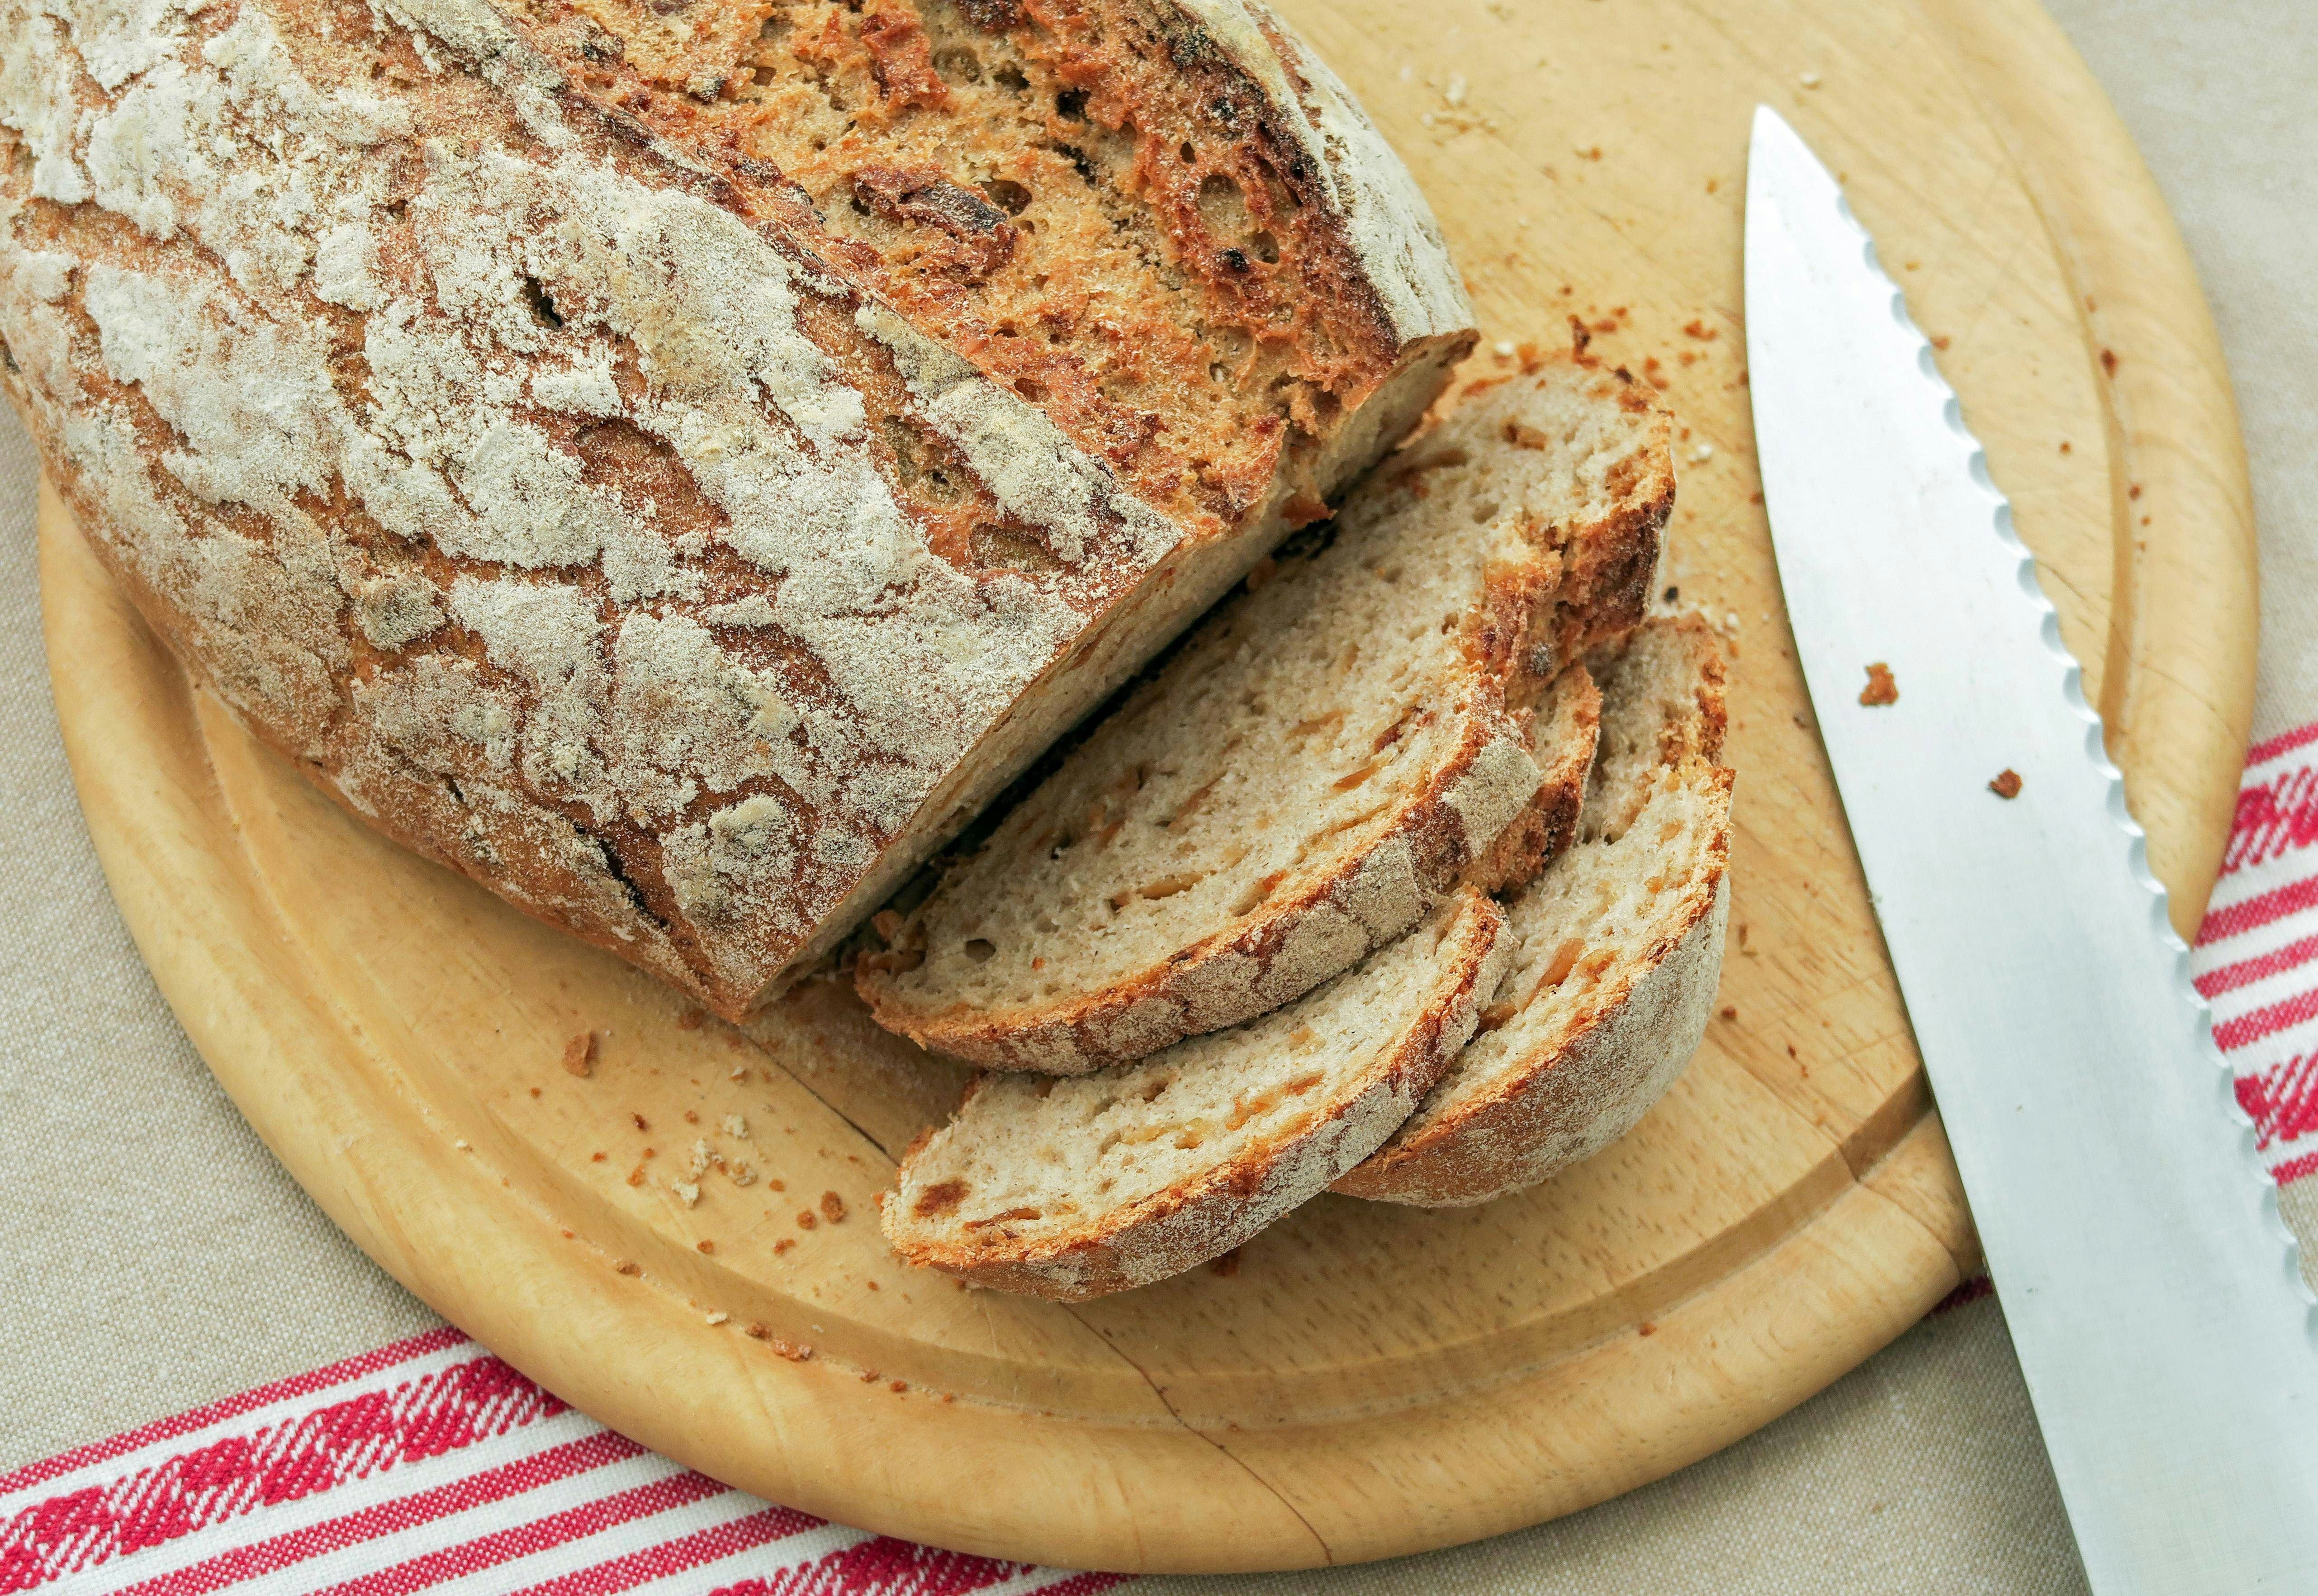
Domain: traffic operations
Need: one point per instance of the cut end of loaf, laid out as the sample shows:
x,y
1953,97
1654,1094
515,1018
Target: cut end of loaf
x,y
1384,713
1076,1187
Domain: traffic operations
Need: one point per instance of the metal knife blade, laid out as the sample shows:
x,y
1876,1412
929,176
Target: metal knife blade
x,y
2151,1288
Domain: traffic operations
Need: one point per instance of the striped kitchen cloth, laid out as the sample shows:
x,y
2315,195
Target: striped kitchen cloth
x,y
2256,960
431,1466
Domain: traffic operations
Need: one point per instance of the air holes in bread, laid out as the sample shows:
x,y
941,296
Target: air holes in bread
x,y
543,307
992,547
981,949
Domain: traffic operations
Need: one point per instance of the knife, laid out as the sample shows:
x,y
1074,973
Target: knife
x,y
2150,1286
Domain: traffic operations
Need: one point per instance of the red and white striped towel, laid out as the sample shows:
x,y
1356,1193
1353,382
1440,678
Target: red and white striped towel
x,y
431,1466
2256,960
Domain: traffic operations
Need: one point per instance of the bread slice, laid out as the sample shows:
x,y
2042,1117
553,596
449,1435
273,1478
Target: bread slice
x,y
1072,1189
675,464
1383,714
1616,950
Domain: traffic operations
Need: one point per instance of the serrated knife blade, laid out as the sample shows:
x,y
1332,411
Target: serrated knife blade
x,y
2151,1288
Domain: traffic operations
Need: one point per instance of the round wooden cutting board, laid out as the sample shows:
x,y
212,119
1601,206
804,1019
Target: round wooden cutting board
x,y
1361,1380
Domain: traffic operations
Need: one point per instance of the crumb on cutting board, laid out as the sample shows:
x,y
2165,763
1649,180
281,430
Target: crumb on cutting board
x,y
1880,688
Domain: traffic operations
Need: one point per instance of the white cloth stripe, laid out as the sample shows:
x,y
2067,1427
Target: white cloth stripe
x,y
761,1562
2289,982
2255,881
586,1551
2252,944
485,1518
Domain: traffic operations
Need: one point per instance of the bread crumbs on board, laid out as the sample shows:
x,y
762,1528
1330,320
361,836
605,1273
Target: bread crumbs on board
x,y
1881,689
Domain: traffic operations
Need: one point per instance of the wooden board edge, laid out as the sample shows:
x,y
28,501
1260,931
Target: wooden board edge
x,y
2138,291
1716,1366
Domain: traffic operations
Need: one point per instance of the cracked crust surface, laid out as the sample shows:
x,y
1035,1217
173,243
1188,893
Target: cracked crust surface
x,y
586,501
1394,709
1615,951
1071,1189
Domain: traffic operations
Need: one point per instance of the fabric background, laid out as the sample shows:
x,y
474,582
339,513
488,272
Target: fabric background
x,y
1921,1472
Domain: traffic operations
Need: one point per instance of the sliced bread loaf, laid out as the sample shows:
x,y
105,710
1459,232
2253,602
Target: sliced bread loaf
x,y
1077,1188
1383,714
1616,950
676,464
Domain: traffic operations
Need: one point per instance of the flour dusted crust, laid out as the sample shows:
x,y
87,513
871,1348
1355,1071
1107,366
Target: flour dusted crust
x,y
548,479
1076,1189
1615,952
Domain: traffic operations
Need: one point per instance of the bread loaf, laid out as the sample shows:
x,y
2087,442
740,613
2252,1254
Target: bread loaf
x,y
1390,711
674,464
1072,1188
1615,950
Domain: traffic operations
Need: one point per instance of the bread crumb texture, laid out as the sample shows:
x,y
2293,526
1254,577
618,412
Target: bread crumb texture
x,y
1072,1188
638,456
1392,709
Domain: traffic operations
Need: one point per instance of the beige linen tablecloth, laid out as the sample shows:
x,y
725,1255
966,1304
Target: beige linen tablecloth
x,y
153,1256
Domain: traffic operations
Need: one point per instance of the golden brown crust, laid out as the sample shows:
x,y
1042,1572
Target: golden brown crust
x,y
1102,95
1564,725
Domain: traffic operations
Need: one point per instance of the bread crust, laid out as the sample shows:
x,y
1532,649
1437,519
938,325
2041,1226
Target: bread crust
x,y
1503,805
1565,1103
1566,724
1201,1218
529,474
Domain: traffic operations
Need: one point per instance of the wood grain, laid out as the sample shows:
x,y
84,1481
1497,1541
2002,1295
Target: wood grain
x,y
1366,1380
